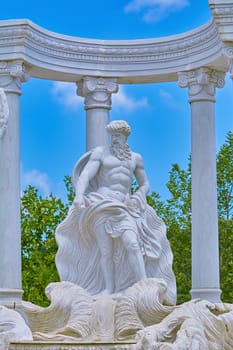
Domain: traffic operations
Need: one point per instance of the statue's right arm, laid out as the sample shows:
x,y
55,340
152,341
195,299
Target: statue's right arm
x,y
88,173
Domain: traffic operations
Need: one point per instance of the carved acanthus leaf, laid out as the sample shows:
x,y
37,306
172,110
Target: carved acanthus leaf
x,y
97,91
12,74
202,82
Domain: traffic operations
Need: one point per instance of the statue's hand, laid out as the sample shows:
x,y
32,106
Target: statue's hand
x,y
132,203
79,200
137,202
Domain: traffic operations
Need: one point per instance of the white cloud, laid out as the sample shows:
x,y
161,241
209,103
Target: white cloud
x,y
155,10
36,178
169,100
65,93
122,101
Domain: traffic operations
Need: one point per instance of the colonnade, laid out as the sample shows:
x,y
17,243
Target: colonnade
x,y
97,91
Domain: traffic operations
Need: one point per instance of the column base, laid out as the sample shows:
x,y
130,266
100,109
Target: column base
x,y
210,294
10,298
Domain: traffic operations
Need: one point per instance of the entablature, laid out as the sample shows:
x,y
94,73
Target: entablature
x,y
53,56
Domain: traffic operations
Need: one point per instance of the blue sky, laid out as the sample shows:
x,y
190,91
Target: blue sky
x,y
52,115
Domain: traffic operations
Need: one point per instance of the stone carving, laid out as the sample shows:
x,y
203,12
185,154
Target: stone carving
x,y
75,315
4,113
130,60
202,82
110,238
74,346
228,52
12,328
76,48
97,91
139,315
12,74
193,325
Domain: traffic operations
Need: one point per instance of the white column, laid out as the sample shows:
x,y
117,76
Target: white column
x,y
201,85
97,93
11,76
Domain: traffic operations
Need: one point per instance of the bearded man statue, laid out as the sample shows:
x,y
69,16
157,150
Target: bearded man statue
x,y
111,238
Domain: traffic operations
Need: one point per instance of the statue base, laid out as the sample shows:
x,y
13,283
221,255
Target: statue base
x,y
138,319
37,345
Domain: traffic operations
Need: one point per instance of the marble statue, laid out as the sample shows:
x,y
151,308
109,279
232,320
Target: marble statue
x,y
111,238
117,288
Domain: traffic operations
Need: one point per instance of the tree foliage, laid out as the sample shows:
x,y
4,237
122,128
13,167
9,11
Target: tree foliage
x,y
225,209
178,221
40,217
225,178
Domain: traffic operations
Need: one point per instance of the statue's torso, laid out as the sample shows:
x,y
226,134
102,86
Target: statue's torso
x,y
115,176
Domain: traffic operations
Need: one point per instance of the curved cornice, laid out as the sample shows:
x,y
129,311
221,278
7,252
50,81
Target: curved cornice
x,y
54,56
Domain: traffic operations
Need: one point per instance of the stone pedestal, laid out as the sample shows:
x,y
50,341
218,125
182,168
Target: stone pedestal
x,y
36,345
11,76
97,93
205,256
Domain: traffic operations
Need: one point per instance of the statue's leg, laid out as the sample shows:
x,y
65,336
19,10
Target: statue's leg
x,y
106,249
135,256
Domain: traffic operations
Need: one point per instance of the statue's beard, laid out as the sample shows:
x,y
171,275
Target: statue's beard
x,y
120,150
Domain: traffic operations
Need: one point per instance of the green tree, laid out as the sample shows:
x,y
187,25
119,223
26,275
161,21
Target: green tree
x,y
177,217
225,209
225,178
39,219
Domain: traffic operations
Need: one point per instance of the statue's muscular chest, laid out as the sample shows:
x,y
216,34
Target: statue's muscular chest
x,y
111,166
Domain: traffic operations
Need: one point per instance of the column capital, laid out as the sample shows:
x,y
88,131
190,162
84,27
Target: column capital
x,y
228,52
12,74
97,91
201,83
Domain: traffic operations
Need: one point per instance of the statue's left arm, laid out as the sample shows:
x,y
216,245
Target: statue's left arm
x,y
141,176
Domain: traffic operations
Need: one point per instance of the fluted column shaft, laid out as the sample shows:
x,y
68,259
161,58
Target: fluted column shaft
x,y
11,76
97,93
201,85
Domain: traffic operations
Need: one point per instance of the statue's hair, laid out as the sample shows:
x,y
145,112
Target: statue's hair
x,y
118,126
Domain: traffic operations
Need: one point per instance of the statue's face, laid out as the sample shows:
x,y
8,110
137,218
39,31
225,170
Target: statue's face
x,y
118,138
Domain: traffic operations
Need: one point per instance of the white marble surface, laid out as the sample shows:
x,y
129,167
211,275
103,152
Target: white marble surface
x,y
97,93
202,84
12,328
36,345
75,315
11,75
53,56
